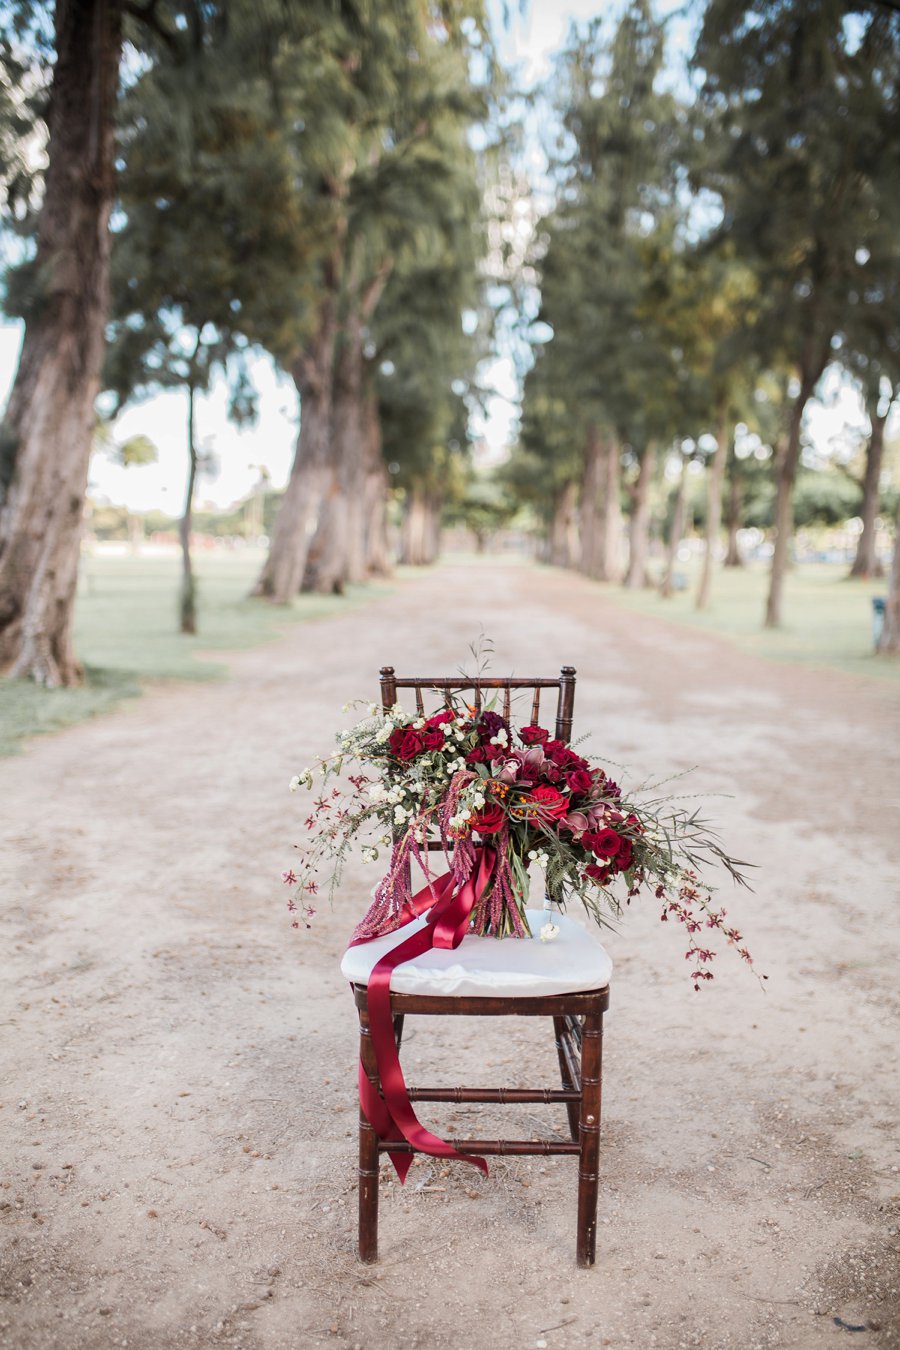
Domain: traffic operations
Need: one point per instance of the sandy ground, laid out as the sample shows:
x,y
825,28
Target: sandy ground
x,y
178,1092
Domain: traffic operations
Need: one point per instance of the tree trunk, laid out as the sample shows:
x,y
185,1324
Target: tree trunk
x,y
890,633
337,552
639,524
733,507
420,536
786,470
563,530
714,475
188,609
377,489
590,500
49,422
282,573
865,564
676,532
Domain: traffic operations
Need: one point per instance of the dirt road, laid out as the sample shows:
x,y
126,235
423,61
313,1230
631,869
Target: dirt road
x,y
177,1123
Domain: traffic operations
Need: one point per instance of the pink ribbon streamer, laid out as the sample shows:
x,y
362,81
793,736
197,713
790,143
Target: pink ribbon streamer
x,y
391,1115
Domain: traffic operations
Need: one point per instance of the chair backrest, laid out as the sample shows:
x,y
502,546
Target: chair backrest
x,y
564,684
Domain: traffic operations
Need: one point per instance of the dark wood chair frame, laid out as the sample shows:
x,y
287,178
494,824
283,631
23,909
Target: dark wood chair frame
x,y
577,1021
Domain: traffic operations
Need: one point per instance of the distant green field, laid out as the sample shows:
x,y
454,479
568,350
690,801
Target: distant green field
x,y
827,619
126,633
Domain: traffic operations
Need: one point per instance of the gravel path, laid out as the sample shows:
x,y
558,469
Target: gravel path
x,y
177,1119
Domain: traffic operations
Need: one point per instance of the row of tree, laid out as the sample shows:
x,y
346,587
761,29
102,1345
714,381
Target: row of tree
x,y
223,179
708,257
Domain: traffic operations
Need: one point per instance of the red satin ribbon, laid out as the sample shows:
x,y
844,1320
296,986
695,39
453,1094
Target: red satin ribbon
x,y
392,1116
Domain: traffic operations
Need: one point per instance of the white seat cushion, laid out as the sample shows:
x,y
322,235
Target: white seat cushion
x,y
486,967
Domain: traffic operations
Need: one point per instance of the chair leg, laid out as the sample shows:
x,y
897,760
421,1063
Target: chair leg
x,y
589,1131
368,1153
560,1027
398,1028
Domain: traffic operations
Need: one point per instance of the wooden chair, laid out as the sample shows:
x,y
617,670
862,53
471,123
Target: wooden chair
x,y
577,1013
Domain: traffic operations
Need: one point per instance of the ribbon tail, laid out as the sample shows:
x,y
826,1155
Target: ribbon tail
x,y
393,1114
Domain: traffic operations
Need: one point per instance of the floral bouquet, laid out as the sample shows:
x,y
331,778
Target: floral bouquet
x,y
467,777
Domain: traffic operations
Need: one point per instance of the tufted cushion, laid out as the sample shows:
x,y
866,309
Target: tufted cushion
x,y
485,967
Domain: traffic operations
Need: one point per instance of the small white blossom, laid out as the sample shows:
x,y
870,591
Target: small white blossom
x,y
400,815
418,724
370,855
549,932
447,728
294,783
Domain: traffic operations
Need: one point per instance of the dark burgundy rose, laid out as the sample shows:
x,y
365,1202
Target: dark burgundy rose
x,y
478,755
599,874
433,740
549,799
489,820
405,743
606,843
493,752
533,735
611,789
550,772
579,781
624,856
440,718
490,723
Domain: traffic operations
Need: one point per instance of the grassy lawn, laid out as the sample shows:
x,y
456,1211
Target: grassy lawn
x,y
126,633
827,619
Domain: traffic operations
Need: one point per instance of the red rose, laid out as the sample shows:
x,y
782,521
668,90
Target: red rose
x,y
533,735
549,799
477,756
489,820
440,718
433,740
599,874
405,743
606,843
579,780
549,772
624,856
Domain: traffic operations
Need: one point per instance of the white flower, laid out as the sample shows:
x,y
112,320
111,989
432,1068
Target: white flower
x,y
294,783
418,724
447,728
549,932
400,815
377,792
374,708
370,855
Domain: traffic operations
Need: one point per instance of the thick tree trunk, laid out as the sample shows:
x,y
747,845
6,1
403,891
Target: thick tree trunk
x,y
733,508
337,552
282,573
188,608
563,551
676,533
420,536
639,524
49,423
865,564
714,475
601,511
890,633
786,475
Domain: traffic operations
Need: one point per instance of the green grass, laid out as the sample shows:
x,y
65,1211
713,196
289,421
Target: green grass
x,y
126,621
827,619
